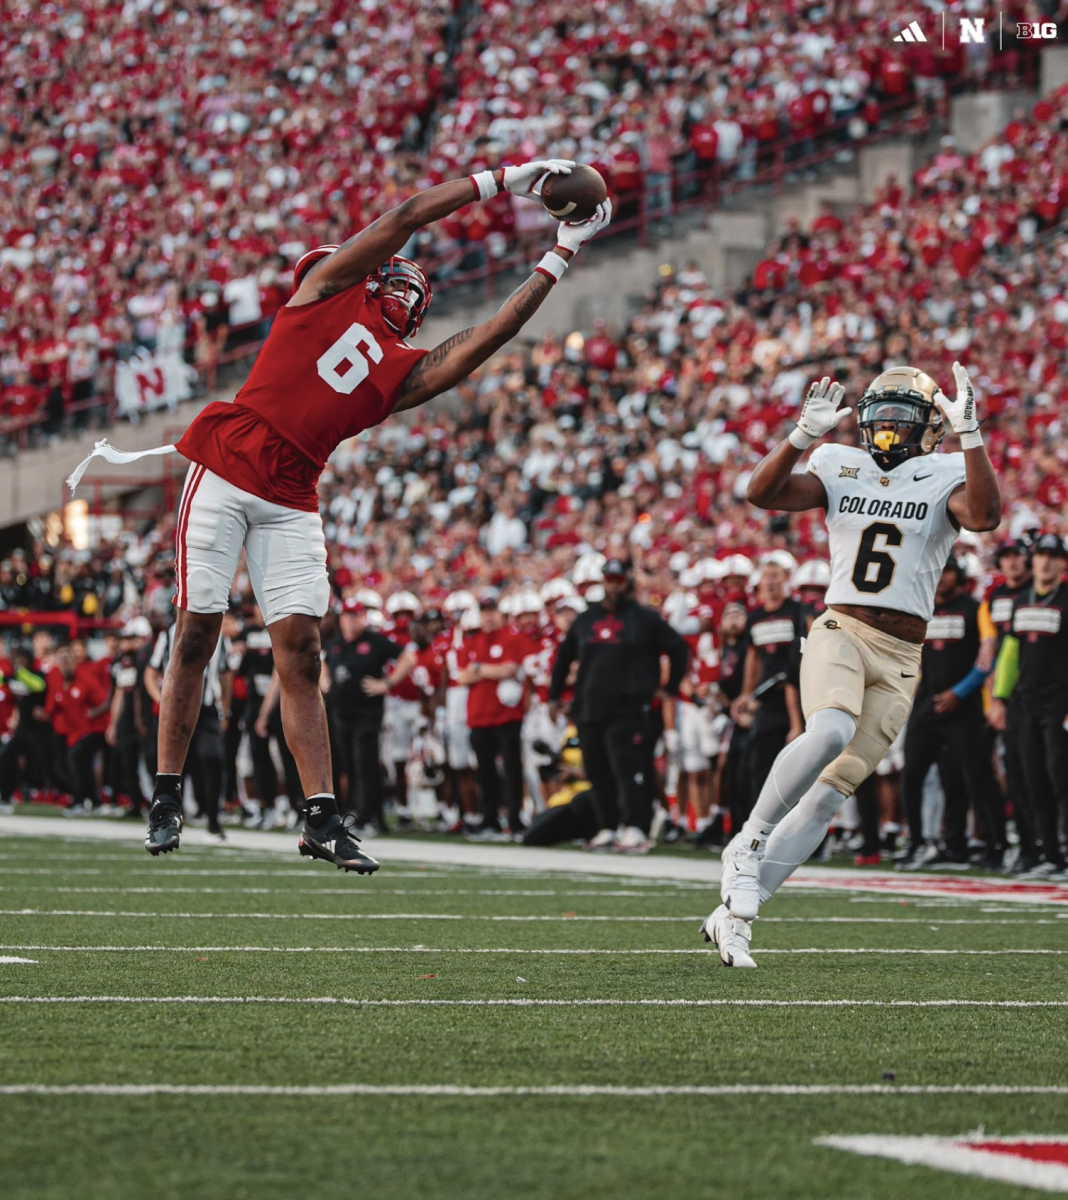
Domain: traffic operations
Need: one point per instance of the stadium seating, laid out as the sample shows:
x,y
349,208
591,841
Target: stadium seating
x,y
256,131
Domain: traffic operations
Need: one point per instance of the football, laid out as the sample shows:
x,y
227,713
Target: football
x,y
574,197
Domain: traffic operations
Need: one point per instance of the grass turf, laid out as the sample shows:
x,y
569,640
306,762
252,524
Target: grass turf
x,y
199,902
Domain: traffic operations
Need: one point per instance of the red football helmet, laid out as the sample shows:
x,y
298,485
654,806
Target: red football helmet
x,y
307,261
404,311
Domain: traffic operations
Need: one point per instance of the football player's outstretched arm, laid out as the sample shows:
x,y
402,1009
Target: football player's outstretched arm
x,y
976,504
367,250
446,365
774,484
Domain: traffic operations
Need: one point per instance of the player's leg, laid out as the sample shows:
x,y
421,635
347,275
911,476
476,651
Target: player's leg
x,y
628,749
833,676
210,532
510,748
832,696
484,745
796,837
921,752
598,768
286,554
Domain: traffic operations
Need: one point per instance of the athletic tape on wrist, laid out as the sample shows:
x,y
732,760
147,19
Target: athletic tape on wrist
x,y
553,265
799,439
970,440
485,185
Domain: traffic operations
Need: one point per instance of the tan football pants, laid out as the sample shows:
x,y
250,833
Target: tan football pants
x,y
866,673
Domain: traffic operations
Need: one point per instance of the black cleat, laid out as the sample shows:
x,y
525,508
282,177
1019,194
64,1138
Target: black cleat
x,y
164,825
335,843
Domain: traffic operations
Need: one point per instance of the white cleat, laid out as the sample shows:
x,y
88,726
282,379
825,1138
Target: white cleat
x,y
739,886
632,841
731,936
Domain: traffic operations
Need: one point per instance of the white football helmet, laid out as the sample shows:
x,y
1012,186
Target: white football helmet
x,y
737,564
575,602
815,573
589,568
554,590
369,598
526,602
781,558
459,601
403,602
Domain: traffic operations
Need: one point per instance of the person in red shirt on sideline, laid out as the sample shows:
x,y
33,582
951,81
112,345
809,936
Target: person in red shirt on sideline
x,y
336,362
93,679
491,664
68,703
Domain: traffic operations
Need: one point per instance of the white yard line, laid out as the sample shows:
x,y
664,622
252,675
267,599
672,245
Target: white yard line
x,y
527,918
576,1090
264,916
551,893
354,1002
759,951
449,853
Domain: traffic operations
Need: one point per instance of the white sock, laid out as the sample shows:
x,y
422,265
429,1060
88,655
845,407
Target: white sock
x,y
797,836
796,769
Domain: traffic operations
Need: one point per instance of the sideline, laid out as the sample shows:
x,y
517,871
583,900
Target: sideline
x,y
455,853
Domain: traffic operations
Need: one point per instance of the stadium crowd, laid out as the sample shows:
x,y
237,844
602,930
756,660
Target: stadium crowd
x,y
480,530
257,131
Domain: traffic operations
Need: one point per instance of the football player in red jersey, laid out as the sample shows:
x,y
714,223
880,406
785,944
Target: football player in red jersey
x,y
336,362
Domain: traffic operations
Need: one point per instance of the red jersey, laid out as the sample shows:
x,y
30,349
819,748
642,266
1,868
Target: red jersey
x,y
94,678
704,659
492,702
539,659
429,669
68,705
328,370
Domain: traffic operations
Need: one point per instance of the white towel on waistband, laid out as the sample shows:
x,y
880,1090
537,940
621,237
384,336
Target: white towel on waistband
x,y
106,451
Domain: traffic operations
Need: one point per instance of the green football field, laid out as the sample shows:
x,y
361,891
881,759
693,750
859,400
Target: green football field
x,y
236,1023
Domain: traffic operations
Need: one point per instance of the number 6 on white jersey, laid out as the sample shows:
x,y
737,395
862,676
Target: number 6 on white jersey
x,y
346,349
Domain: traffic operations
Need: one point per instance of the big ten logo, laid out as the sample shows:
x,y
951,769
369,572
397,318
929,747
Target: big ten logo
x,y
1027,30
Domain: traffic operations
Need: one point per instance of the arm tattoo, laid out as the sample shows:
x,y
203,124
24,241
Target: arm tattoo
x,y
530,295
435,358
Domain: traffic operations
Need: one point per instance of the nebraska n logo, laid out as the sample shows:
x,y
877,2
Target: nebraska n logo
x,y
911,33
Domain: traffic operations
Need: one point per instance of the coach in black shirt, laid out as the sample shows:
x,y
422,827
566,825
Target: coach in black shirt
x,y
946,726
618,644
356,681
772,664
1013,560
1033,668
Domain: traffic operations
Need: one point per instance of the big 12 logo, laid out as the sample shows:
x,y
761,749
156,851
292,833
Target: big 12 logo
x,y
1026,30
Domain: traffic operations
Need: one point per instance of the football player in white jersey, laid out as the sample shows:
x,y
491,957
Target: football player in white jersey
x,y
893,510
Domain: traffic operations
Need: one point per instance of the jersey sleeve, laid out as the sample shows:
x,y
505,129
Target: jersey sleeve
x,y
819,464
394,369
159,652
987,629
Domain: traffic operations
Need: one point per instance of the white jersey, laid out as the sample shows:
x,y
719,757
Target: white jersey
x,y
890,531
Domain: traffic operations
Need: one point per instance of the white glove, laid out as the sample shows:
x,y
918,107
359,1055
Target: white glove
x,y
819,414
960,413
526,180
671,742
573,236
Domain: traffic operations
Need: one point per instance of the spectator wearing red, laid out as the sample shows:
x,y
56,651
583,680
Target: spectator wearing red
x,y
490,666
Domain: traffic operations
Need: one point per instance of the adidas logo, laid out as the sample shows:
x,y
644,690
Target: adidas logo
x,y
911,33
